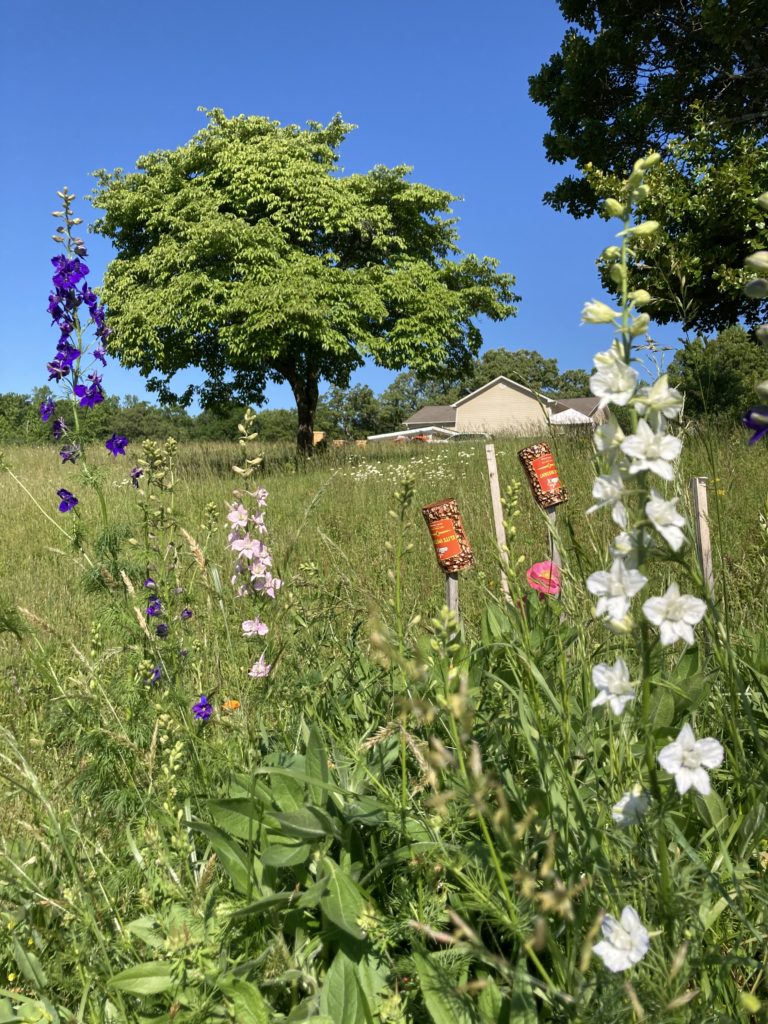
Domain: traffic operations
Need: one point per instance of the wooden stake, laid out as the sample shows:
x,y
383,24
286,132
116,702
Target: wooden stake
x,y
552,523
700,508
498,516
452,592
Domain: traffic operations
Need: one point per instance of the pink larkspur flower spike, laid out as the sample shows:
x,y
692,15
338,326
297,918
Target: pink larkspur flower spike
x,y
544,577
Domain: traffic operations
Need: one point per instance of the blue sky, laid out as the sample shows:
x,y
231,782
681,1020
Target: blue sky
x,y
440,85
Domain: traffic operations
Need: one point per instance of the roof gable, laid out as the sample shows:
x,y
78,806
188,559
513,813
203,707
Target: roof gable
x,y
510,383
433,414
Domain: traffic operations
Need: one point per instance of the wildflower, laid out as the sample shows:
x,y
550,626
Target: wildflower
x,y
92,394
230,705
615,589
666,519
628,546
255,627
660,400
238,516
544,577
47,409
756,419
59,429
613,381
98,353
675,614
596,312
68,272
652,451
688,759
153,676
203,709
260,495
135,474
161,629
608,437
260,669
265,583
149,583
625,941
614,685
249,547
116,444
608,492
631,807
70,453
68,500
186,613
154,607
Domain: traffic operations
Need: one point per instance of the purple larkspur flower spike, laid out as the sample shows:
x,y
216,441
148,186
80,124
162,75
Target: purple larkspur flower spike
x,y
154,607
68,500
70,453
756,419
153,676
161,630
59,429
68,272
116,444
203,709
47,409
186,613
135,474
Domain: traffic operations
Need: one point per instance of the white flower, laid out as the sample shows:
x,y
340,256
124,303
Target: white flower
x,y
675,614
596,312
615,589
688,758
608,492
652,451
660,400
631,807
666,519
260,669
625,941
627,545
613,381
614,685
608,437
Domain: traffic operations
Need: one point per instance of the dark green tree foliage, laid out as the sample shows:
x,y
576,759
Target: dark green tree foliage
x,y
629,77
718,375
248,254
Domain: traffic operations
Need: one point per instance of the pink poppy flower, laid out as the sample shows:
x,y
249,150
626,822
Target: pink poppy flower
x,y
544,577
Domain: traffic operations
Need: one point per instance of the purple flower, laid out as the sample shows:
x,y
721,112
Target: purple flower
x,y
202,710
135,474
154,607
70,453
161,630
98,353
47,409
756,419
57,369
186,613
66,353
149,582
59,429
91,395
116,444
153,676
68,500
68,272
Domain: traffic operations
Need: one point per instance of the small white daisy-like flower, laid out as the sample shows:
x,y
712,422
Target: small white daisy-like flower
x,y
688,760
625,942
608,492
614,685
615,589
651,451
613,380
666,519
631,807
675,614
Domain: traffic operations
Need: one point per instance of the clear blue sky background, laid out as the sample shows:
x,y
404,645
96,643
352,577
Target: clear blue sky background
x,y
440,85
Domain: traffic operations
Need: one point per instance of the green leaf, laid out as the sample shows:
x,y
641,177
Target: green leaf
x,y
343,904
340,996
444,1003
286,855
232,857
30,966
239,816
149,930
273,901
248,1004
523,1002
144,979
306,823
316,765
662,708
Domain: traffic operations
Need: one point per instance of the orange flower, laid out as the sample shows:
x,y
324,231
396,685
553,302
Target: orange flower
x,y
231,705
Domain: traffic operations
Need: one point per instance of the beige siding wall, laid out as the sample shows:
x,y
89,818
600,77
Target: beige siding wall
x,y
500,409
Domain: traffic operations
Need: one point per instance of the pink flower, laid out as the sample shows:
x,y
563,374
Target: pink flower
x,y
255,627
266,583
250,547
238,516
260,669
260,495
544,577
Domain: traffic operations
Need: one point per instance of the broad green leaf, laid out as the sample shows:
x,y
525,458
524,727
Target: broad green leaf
x,y
316,765
29,966
662,708
149,930
266,903
306,823
239,816
340,996
285,855
523,1001
144,979
232,857
444,1003
343,904
489,1002
248,1004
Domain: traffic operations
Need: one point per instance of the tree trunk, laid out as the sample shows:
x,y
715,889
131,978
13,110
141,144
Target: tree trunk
x,y
306,393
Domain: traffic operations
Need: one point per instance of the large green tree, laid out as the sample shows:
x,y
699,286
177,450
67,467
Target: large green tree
x,y
630,77
247,253
718,375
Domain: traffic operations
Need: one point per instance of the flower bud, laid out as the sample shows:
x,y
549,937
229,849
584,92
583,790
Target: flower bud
x,y
642,192
613,208
57,213
761,333
646,228
617,273
613,252
650,161
596,312
762,390
621,627
757,261
640,297
639,325
763,200
76,220
757,289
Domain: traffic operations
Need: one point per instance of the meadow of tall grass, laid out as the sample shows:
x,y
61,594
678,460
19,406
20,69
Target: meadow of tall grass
x,y
253,770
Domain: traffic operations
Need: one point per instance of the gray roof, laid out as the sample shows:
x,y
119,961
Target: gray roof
x,y
433,415
586,406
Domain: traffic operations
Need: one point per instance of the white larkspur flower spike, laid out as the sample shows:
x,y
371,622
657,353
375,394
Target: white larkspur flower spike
x,y
608,492
666,519
615,589
625,942
608,437
688,760
651,451
614,685
612,381
662,401
631,807
675,614
596,312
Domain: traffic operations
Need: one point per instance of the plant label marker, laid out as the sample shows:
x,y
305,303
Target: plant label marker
x,y
498,516
452,547
700,507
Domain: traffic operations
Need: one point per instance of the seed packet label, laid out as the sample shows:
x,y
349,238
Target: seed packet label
x,y
444,538
546,473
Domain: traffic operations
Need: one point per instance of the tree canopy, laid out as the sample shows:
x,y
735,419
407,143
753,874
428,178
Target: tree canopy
x,y
627,79
718,375
247,253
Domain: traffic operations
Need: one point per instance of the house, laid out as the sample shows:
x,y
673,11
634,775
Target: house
x,y
502,406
